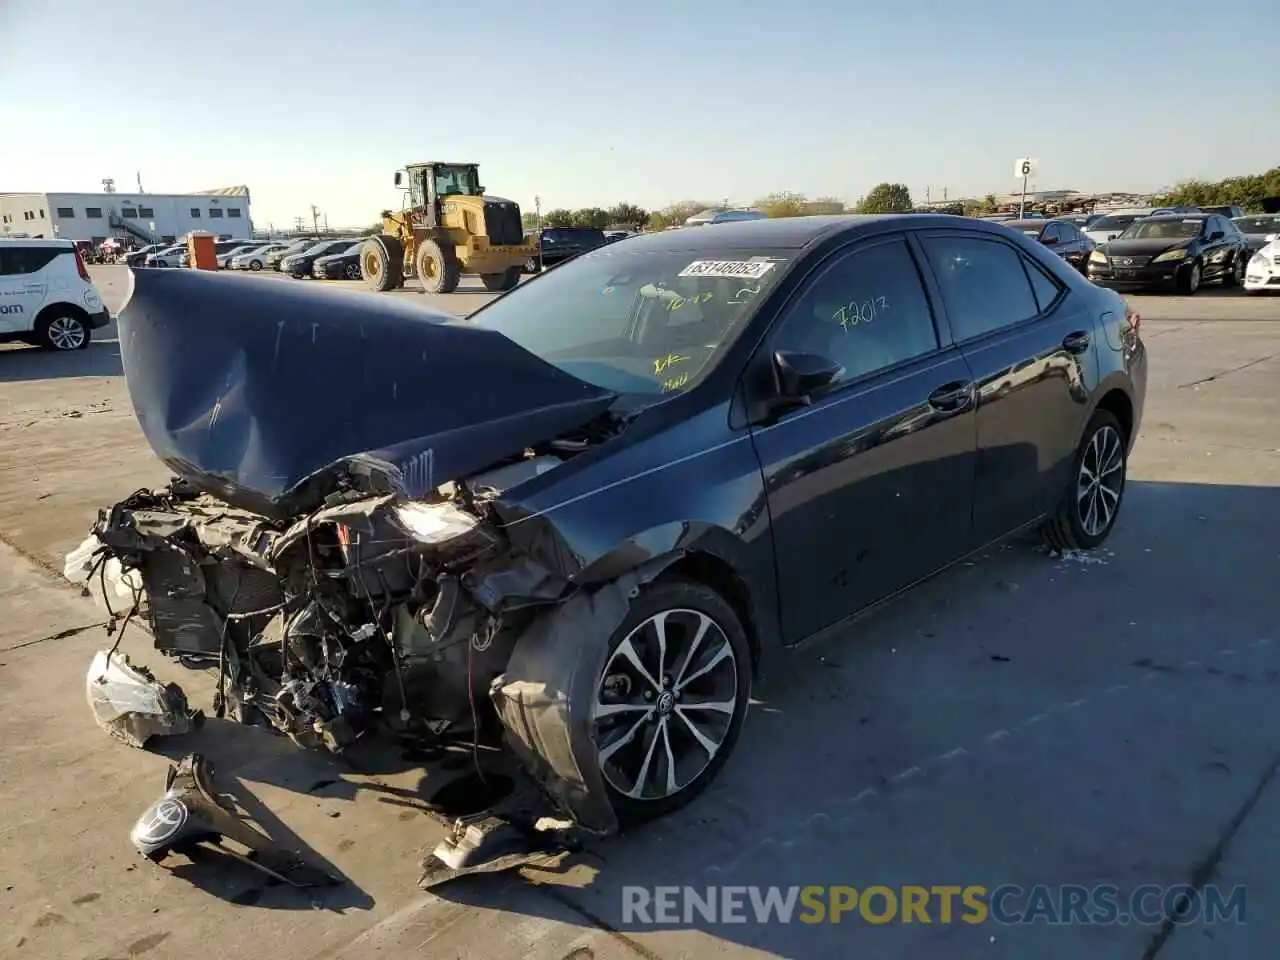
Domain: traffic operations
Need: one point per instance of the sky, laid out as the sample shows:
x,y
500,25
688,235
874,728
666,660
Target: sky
x,y
593,102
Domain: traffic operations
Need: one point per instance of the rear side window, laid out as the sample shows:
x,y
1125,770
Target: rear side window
x,y
1046,289
16,261
983,283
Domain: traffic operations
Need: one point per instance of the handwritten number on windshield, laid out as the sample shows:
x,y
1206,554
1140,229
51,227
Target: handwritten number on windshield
x,y
854,313
675,383
670,360
679,302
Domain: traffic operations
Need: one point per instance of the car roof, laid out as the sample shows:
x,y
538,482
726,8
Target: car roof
x,y
1026,223
788,232
40,242
1198,215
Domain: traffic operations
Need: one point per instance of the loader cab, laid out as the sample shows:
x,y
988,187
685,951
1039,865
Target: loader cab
x,y
428,183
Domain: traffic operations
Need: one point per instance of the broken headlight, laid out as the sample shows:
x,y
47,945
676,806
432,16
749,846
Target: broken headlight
x,y
434,523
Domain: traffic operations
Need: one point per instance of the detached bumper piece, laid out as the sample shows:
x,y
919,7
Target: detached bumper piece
x,y
190,813
488,843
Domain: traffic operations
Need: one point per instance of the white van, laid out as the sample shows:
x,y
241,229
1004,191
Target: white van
x,y
47,297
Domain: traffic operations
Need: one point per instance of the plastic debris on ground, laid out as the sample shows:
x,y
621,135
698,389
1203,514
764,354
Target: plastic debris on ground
x,y
130,704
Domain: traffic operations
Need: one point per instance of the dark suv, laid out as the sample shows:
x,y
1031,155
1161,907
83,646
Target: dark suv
x,y
564,243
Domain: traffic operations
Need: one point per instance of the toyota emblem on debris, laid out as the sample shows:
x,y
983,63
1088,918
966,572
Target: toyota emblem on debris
x,y
162,821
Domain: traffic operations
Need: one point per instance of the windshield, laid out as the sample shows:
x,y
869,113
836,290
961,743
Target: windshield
x,y
354,248
642,323
1117,223
316,248
1163,230
1257,224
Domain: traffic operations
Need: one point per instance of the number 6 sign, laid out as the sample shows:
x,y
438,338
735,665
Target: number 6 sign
x,y
1024,168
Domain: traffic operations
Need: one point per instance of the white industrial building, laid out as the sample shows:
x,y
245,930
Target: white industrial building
x,y
143,217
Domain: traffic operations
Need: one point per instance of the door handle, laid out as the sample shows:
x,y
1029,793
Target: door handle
x,y
1077,342
957,395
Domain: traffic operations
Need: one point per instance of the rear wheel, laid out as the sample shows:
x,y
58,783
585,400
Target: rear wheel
x,y
62,331
671,700
1089,506
255,264
438,267
382,263
352,271
501,281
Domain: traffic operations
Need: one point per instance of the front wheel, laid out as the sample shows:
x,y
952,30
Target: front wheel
x,y
671,700
1087,512
438,268
501,281
255,264
1189,281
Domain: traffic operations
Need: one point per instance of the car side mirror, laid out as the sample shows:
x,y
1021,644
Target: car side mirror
x,y
399,178
800,375
1049,241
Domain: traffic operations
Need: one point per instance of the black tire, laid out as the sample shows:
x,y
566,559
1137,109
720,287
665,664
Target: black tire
x,y
438,268
1189,280
1235,276
1067,529
382,263
531,265
502,281
352,271
255,264
63,331
683,599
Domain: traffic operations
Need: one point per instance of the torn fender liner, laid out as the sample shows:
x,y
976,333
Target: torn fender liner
x,y
132,705
558,662
247,389
190,812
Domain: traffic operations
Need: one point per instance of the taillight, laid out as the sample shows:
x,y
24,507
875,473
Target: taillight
x,y
81,268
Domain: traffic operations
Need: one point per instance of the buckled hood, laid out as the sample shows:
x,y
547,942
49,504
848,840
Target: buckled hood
x,y
265,393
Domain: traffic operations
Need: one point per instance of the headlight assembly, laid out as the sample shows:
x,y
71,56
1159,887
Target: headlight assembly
x,y
1260,263
1170,255
1097,257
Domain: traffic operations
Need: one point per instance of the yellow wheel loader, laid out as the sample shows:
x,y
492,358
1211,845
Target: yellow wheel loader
x,y
450,228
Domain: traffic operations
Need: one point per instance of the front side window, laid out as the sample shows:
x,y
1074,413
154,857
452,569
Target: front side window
x,y
1114,224
866,311
640,323
983,284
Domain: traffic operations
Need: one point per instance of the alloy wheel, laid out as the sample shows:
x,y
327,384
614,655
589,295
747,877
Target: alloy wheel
x,y
1100,482
66,333
1193,280
665,704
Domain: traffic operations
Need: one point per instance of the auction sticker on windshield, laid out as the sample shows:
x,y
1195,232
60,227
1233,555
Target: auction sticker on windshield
x,y
730,269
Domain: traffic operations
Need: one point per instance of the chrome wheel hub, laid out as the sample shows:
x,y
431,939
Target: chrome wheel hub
x,y
66,333
1100,482
665,704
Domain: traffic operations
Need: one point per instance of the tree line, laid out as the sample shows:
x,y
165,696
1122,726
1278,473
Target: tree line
x,y
1247,192
883,198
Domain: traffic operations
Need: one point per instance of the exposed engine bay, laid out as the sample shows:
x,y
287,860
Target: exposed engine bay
x,y
371,614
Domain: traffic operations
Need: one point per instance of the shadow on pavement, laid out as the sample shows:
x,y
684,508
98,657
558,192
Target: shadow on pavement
x,y
1002,637
100,359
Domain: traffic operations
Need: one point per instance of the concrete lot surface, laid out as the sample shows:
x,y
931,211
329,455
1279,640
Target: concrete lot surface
x,y
1021,719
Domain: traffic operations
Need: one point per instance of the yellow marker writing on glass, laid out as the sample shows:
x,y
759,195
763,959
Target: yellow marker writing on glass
x,y
670,360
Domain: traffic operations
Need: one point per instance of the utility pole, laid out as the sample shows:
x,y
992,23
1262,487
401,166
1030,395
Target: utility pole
x,y
315,218
297,224
944,194
326,223
927,199
537,211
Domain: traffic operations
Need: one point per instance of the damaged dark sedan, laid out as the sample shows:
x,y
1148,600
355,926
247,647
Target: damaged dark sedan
x,y
582,521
